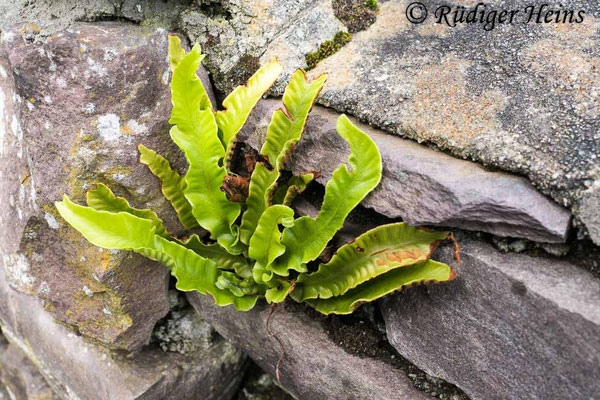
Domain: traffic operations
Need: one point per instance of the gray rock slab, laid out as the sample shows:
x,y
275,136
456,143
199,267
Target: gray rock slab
x,y
589,210
424,186
245,35
21,377
520,97
511,326
314,366
73,109
76,369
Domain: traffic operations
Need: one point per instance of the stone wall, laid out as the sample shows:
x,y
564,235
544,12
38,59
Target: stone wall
x,y
493,135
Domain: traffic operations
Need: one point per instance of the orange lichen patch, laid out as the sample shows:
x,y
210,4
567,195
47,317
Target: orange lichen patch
x,y
30,28
578,32
126,130
95,309
100,318
442,108
565,63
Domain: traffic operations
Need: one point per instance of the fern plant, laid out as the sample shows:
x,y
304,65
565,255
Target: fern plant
x,y
263,251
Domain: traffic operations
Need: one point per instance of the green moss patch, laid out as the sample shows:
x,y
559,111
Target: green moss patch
x,y
327,48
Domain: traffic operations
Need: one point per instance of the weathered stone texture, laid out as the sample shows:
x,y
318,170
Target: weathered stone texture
x,y
249,34
76,369
423,186
50,17
511,326
21,377
522,97
74,108
314,366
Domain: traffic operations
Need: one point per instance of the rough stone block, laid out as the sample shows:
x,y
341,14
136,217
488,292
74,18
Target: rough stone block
x,y
314,367
21,377
73,109
511,326
248,34
76,369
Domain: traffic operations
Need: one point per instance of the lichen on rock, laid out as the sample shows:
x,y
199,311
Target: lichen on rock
x,y
245,35
182,330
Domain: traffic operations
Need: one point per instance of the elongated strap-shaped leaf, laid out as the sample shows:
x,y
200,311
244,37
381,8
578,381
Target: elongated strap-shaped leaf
x,y
194,272
128,232
172,185
428,271
239,103
283,132
216,253
210,206
188,95
372,254
110,230
103,199
113,230
296,185
176,52
308,237
256,203
265,244
196,133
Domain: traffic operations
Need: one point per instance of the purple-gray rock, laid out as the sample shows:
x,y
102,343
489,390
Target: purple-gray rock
x,y
76,369
423,186
314,367
22,378
511,326
73,109
589,210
